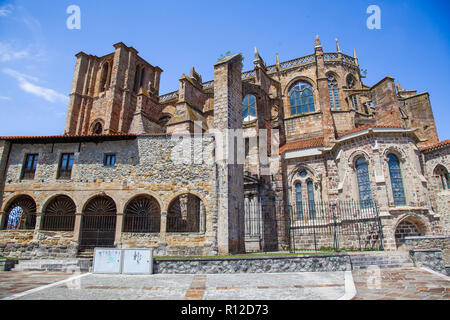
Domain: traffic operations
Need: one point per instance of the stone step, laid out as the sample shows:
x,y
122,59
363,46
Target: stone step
x,y
382,260
63,265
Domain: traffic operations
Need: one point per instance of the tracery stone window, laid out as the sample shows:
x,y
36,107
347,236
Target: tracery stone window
x,y
351,83
21,214
396,180
249,108
362,173
301,98
334,93
299,201
311,203
442,174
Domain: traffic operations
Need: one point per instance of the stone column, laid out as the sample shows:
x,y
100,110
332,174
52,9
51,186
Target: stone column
x,y
163,228
37,226
230,171
77,227
119,227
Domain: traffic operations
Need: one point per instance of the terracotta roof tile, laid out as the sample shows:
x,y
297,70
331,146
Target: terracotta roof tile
x,y
302,144
436,146
362,128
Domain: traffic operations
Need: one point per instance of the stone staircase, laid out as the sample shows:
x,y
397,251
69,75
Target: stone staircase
x,y
382,260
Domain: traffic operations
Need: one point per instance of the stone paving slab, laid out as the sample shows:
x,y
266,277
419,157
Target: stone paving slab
x,y
282,286
371,284
400,284
15,282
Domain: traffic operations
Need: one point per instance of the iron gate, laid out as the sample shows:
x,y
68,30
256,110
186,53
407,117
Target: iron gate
x,y
97,231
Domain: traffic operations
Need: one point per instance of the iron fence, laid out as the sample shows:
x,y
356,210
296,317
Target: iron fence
x,y
313,226
338,225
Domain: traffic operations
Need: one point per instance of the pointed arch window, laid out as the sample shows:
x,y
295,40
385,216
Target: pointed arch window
x,y
298,201
396,180
442,173
311,204
301,98
249,108
105,77
334,93
362,174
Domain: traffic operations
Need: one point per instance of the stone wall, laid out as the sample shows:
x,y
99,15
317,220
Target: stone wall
x,y
161,167
322,263
429,258
432,243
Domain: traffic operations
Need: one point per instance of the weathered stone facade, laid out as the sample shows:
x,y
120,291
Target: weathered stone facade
x,y
303,131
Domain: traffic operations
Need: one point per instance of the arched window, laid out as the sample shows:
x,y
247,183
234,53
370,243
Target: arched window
x,y
301,98
396,180
311,204
334,93
137,78
362,173
105,76
442,173
21,214
185,214
142,214
298,201
249,108
351,83
97,129
59,215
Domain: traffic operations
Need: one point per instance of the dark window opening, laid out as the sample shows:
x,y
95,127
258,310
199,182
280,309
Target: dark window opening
x,y
110,160
29,167
65,166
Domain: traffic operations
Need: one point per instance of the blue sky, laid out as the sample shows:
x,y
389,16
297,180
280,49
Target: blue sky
x,y
37,50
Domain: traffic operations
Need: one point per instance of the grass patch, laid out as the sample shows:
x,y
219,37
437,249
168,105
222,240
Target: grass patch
x,y
8,258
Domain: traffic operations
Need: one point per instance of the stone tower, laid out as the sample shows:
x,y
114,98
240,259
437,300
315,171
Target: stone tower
x,y
230,173
109,92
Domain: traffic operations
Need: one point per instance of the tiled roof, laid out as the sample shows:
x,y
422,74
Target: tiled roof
x,y
69,137
358,129
436,146
302,144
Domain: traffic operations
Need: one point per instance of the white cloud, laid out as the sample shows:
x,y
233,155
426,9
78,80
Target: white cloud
x,y
6,10
7,53
27,86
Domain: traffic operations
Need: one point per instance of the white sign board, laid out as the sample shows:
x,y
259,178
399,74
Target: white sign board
x,y
137,261
107,260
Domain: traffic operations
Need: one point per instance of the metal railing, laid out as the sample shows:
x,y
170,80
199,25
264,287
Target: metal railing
x,y
177,224
141,224
63,222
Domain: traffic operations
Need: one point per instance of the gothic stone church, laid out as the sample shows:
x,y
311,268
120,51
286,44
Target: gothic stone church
x,y
315,139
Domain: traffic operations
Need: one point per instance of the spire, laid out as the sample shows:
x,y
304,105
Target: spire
x,y
317,42
355,57
399,87
337,46
258,60
278,59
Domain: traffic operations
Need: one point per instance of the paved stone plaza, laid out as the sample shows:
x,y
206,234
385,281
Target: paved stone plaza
x,y
380,284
